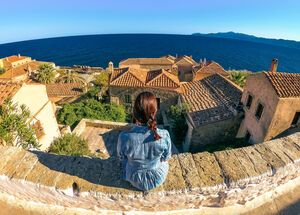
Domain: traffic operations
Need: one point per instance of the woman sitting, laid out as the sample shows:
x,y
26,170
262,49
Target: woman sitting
x,y
144,150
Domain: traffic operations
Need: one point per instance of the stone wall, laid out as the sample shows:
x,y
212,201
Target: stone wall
x,y
232,181
212,133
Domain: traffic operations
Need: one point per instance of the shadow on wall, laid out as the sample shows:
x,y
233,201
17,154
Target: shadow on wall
x,y
97,171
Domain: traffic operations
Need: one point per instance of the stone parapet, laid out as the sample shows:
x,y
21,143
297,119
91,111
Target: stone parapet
x,y
235,181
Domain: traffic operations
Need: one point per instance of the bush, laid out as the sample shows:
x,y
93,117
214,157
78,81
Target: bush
x,y
179,125
14,126
71,114
70,144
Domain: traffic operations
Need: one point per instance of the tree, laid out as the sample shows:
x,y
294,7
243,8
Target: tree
x,y
70,77
179,125
239,77
102,80
46,74
14,126
70,144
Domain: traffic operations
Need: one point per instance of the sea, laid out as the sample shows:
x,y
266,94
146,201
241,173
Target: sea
x,y
98,50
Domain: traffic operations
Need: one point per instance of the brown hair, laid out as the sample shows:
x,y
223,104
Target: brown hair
x,y
144,111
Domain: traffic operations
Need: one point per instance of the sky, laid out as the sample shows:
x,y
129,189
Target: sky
x,y
34,19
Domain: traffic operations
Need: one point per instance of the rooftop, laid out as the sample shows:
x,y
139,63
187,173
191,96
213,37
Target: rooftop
x,y
64,89
15,58
209,68
129,77
285,84
8,90
211,99
165,60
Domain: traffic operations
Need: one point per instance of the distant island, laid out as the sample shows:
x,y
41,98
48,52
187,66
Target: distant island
x,y
251,38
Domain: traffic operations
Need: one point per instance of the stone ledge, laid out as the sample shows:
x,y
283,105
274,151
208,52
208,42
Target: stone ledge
x,y
204,179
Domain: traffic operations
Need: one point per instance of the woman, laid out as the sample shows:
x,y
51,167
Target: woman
x,y
144,150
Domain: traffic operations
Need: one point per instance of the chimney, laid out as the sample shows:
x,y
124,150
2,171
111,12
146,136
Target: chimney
x,y
19,55
274,65
110,67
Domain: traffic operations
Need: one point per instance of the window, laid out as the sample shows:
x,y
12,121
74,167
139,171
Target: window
x,y
249,101
296,119
259,111
127,99
158,103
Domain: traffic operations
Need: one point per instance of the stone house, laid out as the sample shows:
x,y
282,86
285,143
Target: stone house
x,y
126,83
19,68
272,105
205,69
34,97
181,66
214,111
61,93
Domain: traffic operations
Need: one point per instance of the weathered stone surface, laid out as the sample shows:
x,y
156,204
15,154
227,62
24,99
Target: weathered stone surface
x,y
246,162
174,180
269,156
295,138
189,170
292,149
279,150
13,163
208,168
6,155
231,166
259,163
25,167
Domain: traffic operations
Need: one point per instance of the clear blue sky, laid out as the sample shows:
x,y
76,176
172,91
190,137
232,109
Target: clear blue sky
x,y
31,19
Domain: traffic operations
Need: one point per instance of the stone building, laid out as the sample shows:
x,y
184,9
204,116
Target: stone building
x,y
126,83
19,68
181,66
214,111
272,104
61,93
205,69
34,97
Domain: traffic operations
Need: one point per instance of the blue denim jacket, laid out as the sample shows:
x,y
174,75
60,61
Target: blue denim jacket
x,y
143,158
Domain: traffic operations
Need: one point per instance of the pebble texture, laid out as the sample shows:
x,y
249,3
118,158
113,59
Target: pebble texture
x,y
220,179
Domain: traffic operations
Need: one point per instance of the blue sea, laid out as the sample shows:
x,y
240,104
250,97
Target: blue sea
x,y
98,50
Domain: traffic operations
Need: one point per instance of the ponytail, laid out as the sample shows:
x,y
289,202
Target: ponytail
x,y
152,125
144,112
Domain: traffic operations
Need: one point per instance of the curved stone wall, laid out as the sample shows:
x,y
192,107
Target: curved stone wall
x,y
236,180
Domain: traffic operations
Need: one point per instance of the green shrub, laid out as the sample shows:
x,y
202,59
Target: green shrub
x,y
239,76
14,126
2,70
70,144
179,125
71,114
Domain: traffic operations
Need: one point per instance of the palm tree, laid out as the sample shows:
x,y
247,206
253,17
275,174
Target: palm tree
x,y
46,74
70,77
239,77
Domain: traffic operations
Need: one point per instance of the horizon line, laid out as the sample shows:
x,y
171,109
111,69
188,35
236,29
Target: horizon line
x,y
178,34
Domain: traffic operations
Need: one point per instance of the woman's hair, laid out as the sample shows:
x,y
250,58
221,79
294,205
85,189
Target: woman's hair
x,y
144,111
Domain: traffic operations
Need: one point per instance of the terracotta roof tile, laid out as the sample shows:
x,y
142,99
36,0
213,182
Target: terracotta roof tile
x,y
14,58
210,68
7,90
210,99
129,77
148,61
64,89
285,84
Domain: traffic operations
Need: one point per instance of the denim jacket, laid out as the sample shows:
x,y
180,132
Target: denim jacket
x,y
144,159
